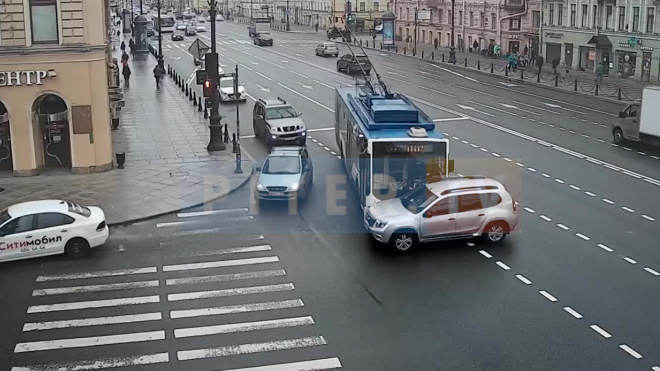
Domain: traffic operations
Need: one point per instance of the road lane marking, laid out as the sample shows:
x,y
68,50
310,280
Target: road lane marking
x,y
626,208
229,250
304,96
495,154
523,279
630,351
94,304
563,226
211,212
323,84
317,364
608,201
652,271
574,187
225,277
239,308
262,75
471,244
232,328
98,364
583,236
529,210
97,321
477,91
299,74
559,181
602,332
604,247
95,288
547,295
220,263
547,219
169,224
438,92
89,341
629,260
451,119
572,312
487,255
186,355
494,108
230,292
535,107
502,265
531,169
589,193
109,273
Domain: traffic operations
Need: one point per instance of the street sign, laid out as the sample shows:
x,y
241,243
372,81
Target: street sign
x,y
201,76
423,15
198,48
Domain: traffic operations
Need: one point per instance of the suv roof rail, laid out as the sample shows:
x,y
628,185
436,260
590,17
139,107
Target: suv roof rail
x,y
463,189
281,100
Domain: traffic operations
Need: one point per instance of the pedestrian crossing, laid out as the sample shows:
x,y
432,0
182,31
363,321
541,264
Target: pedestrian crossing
x,y
232,306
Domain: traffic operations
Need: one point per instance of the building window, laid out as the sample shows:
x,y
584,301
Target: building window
x,y
594,18
440,16
622,18
401,13
407,13
471,18
376,7
514,24
44,21
494,21
584,18
450,17
362,7
482,19
551,14
635,27
460,18
573,6
650,19
560,14
609,18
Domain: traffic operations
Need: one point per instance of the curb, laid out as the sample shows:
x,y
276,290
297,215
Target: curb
x,y
145,218
507,78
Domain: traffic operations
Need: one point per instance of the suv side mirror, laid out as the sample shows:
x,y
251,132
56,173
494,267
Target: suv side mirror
x,y
257,169
260,117
299,113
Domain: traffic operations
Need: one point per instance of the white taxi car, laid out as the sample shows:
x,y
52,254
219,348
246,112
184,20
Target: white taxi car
x,y
49,227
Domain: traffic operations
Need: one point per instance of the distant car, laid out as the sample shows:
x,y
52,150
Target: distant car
x,y
227,92
252,31
177,36
49,227
327,48
191,29
263,39
219,18
277,122
350,64
287,174
181,26
200,27
379,28
448,209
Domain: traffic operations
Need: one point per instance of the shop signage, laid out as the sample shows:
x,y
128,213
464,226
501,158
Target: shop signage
x,y
18,78
647,48
513,36
553,35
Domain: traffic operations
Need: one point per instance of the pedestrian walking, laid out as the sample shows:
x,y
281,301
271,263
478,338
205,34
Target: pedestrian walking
x,y
317,27
122,47
124,57
600,71
475,46
159,72
555,63
435,43
539,63
126,71
131,46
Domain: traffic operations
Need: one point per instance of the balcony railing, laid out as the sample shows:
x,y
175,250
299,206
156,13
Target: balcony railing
x,y
514,4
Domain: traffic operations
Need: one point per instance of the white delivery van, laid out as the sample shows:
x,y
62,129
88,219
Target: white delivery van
x,y
639,121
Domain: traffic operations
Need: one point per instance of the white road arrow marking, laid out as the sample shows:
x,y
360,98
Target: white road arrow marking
x,y
299,55
519,109
176,58
254,62
263,89
306,86
560,107
475,110
509,85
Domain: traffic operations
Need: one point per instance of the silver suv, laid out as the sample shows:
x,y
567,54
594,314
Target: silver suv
x,y
277,122
448,209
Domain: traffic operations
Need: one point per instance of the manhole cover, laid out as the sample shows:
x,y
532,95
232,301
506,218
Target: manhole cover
x,y
178,173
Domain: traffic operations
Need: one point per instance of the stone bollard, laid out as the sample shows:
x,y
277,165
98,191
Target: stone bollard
x,y
206,113
226,138
199,105
193,97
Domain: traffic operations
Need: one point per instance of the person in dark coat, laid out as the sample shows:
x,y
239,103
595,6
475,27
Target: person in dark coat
x,y
126,71
539,63
124,57
122,47
158,74
555,63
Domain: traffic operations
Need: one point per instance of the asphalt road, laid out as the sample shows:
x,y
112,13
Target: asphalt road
x,y
576,289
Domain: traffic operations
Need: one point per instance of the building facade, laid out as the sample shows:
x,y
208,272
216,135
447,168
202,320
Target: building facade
x,y
512,24
54,79
621,34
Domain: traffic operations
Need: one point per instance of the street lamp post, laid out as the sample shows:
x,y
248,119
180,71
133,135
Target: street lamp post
x,y
452,49
160,39
132,27
141,11
215,142
288,28
238,169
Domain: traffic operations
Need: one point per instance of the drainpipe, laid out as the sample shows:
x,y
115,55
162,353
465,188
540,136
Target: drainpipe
x,y
463,26
499,23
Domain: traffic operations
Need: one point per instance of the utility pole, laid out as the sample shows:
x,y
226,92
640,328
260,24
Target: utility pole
x,y
416,24
288,28
160,39
238,126
215,142
452,49
141,11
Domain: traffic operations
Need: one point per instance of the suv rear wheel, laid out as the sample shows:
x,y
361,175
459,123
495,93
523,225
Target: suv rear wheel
x,y
403,240
495,232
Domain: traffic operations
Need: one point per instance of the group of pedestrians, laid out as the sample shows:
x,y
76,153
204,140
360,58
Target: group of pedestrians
x,y
158,71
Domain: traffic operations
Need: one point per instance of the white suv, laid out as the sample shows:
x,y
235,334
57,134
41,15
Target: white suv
x,y
448,209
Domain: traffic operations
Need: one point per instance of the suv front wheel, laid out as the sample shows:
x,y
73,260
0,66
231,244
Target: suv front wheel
x,y
495,232
403,240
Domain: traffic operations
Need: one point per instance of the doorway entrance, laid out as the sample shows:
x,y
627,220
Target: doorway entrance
x,y
5,140
52,118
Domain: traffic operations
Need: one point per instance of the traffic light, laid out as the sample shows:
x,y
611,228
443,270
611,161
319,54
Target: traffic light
x,y
206,88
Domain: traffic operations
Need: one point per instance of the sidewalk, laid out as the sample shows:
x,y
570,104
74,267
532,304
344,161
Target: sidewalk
x,y
167,166
581,82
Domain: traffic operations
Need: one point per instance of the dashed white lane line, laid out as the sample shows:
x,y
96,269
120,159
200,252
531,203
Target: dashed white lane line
x,y
655,157
604,247
572,312
608,201
502,265
562,226
548,296
314,140
531,169
586,238
507,159
473,145
333,153
495,154
471,244
652,271
545,175
547,219
655,368
648,217
523,279
559,181
487,255
529,210
626,208
464,141
483,149
602,332
631,261
630,351
574,187
520,164
589,193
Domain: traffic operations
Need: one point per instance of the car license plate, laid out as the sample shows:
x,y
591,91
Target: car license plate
x,y
277,193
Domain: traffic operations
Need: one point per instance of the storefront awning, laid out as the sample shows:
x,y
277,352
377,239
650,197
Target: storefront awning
x,y
601,41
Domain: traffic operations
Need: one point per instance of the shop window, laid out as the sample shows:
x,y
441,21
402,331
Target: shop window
x,y
551,14
43,15
650,19
493,25
635,25
584,18
622,18
573,7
